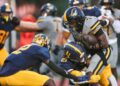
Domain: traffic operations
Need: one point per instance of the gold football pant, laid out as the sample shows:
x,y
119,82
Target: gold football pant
x,y
24,78
3,55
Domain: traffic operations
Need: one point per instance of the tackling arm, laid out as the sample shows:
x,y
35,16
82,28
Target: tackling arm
x,y
27,26
60,70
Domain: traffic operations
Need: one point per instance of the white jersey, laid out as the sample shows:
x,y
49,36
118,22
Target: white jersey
x,y
50,26
91,26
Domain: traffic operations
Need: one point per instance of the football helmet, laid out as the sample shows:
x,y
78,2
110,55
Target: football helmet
x,y
74,17
76,2
102,2
48,8
41,40
75,53
6,12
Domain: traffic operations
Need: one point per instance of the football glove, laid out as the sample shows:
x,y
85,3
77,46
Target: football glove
x,y
94,79
15,21
77,73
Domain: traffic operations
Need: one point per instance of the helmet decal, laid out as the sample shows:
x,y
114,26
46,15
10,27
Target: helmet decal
x,y
74,12
41,40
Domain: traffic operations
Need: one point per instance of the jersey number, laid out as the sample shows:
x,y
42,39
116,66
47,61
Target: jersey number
x,y
67,55
21,49
3,36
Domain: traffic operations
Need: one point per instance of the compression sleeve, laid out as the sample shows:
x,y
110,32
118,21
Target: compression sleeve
x,y
60,71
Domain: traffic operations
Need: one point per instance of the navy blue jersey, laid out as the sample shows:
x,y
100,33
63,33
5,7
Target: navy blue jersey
x,y
28,56
92,11
24,58
5,29
74,57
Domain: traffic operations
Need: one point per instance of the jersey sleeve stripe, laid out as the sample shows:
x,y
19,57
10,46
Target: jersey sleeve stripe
x,y
95,25
76,49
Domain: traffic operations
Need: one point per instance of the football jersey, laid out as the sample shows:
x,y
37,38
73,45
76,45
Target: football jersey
x,y
91,25
50,26
28,56
92,11
5,29
74,56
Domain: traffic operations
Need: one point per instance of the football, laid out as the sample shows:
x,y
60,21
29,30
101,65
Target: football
x,y
90,39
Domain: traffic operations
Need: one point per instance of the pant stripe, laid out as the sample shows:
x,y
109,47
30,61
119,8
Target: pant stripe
x,y
100,63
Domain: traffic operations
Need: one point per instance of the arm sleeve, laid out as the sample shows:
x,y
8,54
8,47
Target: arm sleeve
x,y
60,71
66,65
42,23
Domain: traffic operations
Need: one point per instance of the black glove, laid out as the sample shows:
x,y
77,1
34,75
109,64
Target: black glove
x,y
15,21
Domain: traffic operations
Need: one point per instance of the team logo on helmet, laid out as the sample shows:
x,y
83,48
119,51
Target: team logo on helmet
x,y
41,40
74,12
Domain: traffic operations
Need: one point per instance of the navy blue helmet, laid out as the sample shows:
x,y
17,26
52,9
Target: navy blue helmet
x,y
6,12
73,16
5,8
41,40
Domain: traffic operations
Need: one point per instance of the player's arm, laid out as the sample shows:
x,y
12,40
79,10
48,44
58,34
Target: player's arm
x,y
27,26
92,79
102,39
60,70
97,30
20,25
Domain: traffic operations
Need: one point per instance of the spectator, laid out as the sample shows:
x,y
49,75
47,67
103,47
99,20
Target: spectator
x,y
26,37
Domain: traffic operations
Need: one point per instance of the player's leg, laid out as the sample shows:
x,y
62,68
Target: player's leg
x,y
3,55
27,78
97,65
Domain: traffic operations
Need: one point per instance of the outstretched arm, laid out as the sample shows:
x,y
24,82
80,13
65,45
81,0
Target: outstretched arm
x,y
60,71
27,26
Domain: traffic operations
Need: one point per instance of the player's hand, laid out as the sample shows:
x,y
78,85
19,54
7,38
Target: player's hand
x,y
15,21
94,79
81,80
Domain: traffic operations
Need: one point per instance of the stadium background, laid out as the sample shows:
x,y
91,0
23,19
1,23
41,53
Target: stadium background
x,y
21,8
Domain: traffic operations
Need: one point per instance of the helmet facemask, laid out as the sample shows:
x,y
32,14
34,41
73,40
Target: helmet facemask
x,y
76,22
6,16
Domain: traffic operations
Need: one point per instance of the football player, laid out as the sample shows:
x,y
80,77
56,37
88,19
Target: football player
x,y
81,27
51,25
75,61
88,10
28,56
108,12
7,24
